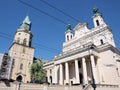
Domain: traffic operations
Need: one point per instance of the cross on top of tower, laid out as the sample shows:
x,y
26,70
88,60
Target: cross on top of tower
x,y
69,28
96,12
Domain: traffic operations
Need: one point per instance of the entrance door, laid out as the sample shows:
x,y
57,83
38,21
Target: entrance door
x,y
81,78
19,78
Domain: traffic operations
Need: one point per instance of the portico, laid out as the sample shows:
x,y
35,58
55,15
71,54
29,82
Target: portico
x,y
75,71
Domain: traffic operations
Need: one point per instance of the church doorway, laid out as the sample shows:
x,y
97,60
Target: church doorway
x,y
19,78
81,78
46,79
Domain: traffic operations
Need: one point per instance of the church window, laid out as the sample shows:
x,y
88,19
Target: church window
x,y
97,22
19,33
13,62
24,41
18,40
117,71
29,64
71,36
67,38
21,66
101,41
111,38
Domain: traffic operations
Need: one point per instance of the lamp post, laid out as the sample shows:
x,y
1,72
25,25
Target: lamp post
x,y
19,85
91,47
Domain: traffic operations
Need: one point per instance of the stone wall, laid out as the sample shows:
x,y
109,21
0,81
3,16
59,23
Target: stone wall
x,y
17,86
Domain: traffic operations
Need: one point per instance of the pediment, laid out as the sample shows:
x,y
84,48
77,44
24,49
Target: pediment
x,y
81,27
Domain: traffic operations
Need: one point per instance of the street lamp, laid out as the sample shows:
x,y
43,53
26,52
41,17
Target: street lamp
x,y
19,83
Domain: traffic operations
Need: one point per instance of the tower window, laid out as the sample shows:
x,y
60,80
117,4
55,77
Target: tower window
x,y
101,41
18,40
21,66
24,41
97,22
71,36
67,38
19,33
29,64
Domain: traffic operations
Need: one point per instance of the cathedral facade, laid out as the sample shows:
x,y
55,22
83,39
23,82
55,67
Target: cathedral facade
x,y
88,56
22,52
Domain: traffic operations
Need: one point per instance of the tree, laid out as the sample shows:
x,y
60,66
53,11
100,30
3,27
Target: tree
x,y
37,72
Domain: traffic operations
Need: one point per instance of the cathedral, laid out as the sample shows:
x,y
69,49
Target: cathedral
x,y
22,52
88,56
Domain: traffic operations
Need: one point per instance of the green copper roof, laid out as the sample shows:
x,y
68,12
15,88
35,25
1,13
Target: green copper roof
x,y
96,12
26,24
69,29
26,20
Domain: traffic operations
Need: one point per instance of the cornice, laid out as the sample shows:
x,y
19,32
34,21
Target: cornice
x,y
97,49
20,45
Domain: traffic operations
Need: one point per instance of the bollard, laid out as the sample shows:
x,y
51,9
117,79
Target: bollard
x,y
45,87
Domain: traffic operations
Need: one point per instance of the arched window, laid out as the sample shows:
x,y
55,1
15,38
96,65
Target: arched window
x,y
24,41
21,66
101,41
29,64
67,38
71,36
97,22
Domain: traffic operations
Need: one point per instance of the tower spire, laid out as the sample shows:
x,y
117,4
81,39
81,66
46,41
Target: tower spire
x,y
97,18
26,24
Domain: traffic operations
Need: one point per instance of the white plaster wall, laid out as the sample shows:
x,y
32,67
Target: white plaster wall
x,y
107,68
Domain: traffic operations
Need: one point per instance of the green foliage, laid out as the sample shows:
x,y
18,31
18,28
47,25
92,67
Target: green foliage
x,y
37,72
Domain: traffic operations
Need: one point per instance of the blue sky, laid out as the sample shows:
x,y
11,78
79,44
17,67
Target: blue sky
x,y
48,32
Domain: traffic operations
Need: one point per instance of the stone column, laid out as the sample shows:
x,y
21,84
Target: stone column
x,y
61,74
94,71
77,72
67,72
55,74
84,71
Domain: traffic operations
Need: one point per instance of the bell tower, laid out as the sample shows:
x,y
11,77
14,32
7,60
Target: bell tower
x,y
99,24
97,18
68,33
22,52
